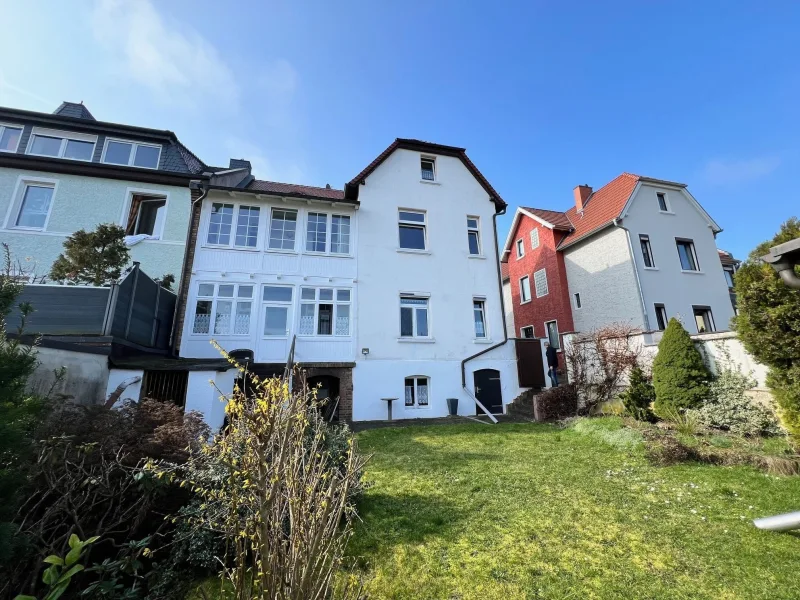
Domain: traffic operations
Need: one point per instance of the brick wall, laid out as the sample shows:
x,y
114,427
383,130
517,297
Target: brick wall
x,y
556,305
345,376
186,274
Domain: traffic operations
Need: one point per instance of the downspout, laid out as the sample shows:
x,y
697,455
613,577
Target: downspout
x,y
502,313
205,187
636,274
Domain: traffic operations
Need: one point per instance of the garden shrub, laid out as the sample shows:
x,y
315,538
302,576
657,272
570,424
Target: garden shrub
x,y
728,406
680,376
768,324
639,396
556,403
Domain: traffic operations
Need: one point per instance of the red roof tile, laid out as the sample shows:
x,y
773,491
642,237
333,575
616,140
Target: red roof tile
x,y
291,189
557,219
504,270
602,207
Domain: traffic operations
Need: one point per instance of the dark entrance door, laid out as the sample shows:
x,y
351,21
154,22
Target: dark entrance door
x,y
488,391
327,395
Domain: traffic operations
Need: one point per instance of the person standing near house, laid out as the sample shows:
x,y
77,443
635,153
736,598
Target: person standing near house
x,y
552,363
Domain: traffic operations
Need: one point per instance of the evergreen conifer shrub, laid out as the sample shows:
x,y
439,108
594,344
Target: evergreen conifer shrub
x,y
680,376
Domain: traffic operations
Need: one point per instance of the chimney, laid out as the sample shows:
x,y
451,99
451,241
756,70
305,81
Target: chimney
x,y
581,193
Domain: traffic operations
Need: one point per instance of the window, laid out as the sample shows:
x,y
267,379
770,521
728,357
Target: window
x,y
412,230
340,234
703,319
540,283
428,169
316,232
577,296
479,316
60,144
324,311
647,252
247,226
552,333
662,202
525,289
473,236
9,138
687,255
35,206
282,229
417,391
527,332
520,249
131,154
276,304
729,277
220,223
223,308
146,215
661,317
414,317
534,238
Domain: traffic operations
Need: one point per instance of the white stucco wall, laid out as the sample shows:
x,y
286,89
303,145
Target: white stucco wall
x,y
667,284
132,391
83,203
445,272
601,271
206,393
84,380
508,304
260,266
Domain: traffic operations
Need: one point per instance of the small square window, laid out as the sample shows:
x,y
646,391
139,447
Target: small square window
x,y
527,332
9,138
35,206
412,230
414,317
416,391
428,169
703,319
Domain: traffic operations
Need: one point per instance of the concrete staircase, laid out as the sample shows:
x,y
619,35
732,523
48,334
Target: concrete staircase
x,y
522,405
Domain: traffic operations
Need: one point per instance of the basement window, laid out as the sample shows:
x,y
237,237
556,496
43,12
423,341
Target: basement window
x,y
146,216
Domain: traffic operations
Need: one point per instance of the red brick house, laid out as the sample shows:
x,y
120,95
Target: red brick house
x,y
536,274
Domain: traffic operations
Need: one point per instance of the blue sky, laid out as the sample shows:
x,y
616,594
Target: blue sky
x,y
544,95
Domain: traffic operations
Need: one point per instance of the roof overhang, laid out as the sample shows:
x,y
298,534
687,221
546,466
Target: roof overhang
x,y
261,194
92,169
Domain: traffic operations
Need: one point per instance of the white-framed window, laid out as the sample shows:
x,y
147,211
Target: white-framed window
x,y
247,226
479,318
146,215
525,289
474,235
318,225
577,297
32,205
223,309
526,332
412,226
131,154
414,322
427,168
282,229
534,238
220,223
540,283
10,136
234,225
276,306
551,327
417,391
61,144
728,276
647,252
520,248
703,319
661,316
325,311
687,255
663,204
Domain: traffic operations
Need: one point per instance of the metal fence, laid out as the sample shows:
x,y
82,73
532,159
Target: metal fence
x,y
137,309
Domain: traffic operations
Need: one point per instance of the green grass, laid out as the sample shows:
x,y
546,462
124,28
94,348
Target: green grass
x,y
532,511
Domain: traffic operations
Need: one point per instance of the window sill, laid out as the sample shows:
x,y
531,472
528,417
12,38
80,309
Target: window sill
x,y
323,254
20,228
650,268
412,251
429,182
275,251
478,256
666,212
481,341
525,302
692,272
412,340
216,247
415,407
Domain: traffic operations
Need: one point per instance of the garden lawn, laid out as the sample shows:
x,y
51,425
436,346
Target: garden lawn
x,y
533,511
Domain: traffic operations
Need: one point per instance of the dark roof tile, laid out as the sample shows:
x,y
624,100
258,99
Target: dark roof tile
x,y
75,110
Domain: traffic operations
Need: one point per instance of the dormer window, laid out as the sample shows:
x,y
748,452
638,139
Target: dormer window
x,y
9,137
61,144
428,169
131,154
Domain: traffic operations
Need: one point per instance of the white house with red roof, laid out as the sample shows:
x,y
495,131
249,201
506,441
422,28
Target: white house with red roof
x,y
637,251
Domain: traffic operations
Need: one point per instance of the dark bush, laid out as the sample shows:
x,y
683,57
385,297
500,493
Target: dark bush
x,y
639,396
680,376
556,403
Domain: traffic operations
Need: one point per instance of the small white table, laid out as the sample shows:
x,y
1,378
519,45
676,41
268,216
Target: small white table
x,y
389,405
